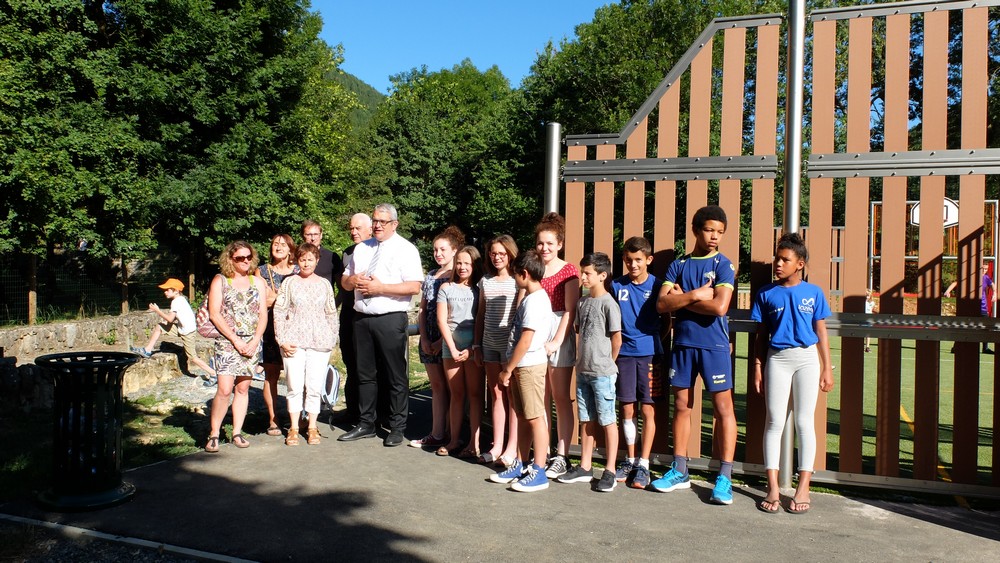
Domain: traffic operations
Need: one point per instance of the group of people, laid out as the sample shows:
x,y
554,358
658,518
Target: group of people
x,y
519,319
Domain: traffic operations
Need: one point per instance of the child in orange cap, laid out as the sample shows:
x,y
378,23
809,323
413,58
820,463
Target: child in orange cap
x,y
179,320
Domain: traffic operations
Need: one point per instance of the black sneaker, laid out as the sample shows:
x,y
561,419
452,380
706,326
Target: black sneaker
x,y
607,482
556,467
577,474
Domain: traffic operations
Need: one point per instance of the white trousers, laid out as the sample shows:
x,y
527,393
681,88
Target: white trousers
x,y
791,372
305,371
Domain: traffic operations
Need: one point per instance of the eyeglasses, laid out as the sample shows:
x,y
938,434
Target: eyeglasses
x,y
381,223
498,254
311,235
243,258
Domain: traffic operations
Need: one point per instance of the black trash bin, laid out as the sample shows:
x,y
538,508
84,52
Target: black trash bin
x,y
87,438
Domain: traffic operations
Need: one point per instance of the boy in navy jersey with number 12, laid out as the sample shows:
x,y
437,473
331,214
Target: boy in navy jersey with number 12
x,y
697,289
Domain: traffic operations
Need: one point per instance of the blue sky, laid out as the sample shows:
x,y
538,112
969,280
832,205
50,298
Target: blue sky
x,y
385,37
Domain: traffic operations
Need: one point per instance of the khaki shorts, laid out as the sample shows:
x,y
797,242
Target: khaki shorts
x,y
188,340
528,391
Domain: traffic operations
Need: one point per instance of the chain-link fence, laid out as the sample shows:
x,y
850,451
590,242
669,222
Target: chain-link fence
x,y
73,284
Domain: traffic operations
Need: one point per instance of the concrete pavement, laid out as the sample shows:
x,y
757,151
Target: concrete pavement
x,y
363,501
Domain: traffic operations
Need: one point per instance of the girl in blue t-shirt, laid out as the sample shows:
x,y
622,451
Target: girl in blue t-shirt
x,y
791,357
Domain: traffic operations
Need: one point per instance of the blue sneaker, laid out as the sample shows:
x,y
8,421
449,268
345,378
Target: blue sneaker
x,y
671,481
625,469
723,491
141,351
509,475
641,478
533,480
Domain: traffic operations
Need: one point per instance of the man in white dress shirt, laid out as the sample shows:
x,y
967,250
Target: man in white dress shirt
x,y
384,273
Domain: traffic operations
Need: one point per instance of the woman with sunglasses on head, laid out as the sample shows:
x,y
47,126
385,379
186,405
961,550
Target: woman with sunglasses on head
x,y
237,309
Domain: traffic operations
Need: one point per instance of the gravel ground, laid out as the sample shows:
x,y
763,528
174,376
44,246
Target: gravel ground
x,y
26,543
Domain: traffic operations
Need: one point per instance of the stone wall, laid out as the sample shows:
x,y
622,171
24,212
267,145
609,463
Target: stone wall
x,y
24,386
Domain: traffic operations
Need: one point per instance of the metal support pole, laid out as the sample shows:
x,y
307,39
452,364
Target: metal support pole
x,y
793,178
553,152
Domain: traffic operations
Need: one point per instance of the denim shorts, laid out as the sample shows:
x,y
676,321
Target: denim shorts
x,y
494,356
595,398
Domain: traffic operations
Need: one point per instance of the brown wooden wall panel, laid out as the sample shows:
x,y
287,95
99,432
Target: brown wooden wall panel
x,y
935,132
635,192
893,245
575,202
664,224
731,143
972,194
604,208
855,280
821,189
699,133
762,225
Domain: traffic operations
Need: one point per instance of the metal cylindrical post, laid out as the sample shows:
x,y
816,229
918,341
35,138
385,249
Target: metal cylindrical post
x,y
553,145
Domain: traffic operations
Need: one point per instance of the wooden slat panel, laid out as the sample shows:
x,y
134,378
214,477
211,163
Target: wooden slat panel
x,y
697,190
604,207
935,131
699,131
821,189
665,212
972,194
731,143
635,192
893,245
762,225
855,263
575,199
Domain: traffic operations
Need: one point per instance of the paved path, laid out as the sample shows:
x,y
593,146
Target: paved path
x,y
362,501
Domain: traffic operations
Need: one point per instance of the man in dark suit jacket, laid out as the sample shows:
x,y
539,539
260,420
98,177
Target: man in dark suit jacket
x,y
330,265
360,229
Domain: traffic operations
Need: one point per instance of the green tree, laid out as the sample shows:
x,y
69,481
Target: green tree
x,y
433,144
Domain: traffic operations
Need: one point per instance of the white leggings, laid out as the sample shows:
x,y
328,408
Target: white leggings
x,y
795,372
306,368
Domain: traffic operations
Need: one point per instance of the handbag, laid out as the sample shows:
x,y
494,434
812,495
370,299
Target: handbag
x,y
204,323
205,326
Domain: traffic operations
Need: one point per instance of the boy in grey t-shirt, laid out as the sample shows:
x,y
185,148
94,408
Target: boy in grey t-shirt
x,y
599,324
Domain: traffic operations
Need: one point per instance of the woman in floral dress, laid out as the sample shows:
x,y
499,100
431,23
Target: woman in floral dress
x,y
237,309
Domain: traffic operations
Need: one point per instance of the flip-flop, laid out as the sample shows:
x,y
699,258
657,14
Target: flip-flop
x,y
274,431
442,451
486,458
797,507
775,506
239,441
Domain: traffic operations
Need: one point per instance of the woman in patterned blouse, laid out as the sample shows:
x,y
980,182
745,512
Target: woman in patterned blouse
x,y
306,328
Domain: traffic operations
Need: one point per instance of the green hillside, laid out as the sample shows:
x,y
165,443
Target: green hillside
x,y
369,97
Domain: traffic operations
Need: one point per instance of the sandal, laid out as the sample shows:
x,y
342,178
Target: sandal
x,y
273,431
468,453
293,437
312,437
213,444
486,458
798,507
239,441
503,461
769,506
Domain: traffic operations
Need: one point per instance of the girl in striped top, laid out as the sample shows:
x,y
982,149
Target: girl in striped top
x,y
497,303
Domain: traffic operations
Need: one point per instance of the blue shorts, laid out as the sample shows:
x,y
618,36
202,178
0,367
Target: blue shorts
x,y
462,339
714,366
595,398
639,379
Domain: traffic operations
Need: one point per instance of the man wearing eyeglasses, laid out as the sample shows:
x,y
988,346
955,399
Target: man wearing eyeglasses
x,y
330,266
384,273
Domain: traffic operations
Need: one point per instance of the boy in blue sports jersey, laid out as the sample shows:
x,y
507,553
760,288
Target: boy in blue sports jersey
x,y
697,289
638,379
